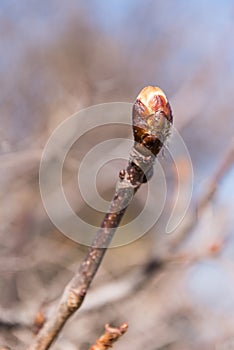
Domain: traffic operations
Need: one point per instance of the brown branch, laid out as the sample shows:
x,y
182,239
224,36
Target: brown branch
x,y
110,336
151,120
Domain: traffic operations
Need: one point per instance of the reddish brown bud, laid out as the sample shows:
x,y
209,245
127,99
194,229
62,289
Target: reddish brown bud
x,y
152,119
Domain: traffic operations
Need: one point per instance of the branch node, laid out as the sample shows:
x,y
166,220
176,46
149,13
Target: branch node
x,y
75,298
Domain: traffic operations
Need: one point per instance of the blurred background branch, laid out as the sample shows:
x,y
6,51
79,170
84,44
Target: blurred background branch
x,y
110,336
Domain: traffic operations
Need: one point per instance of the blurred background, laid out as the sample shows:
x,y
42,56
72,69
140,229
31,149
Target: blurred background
x,y
57,57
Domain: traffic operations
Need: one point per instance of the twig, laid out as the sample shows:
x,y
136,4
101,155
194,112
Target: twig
x,y
110,336
152,118
135,280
